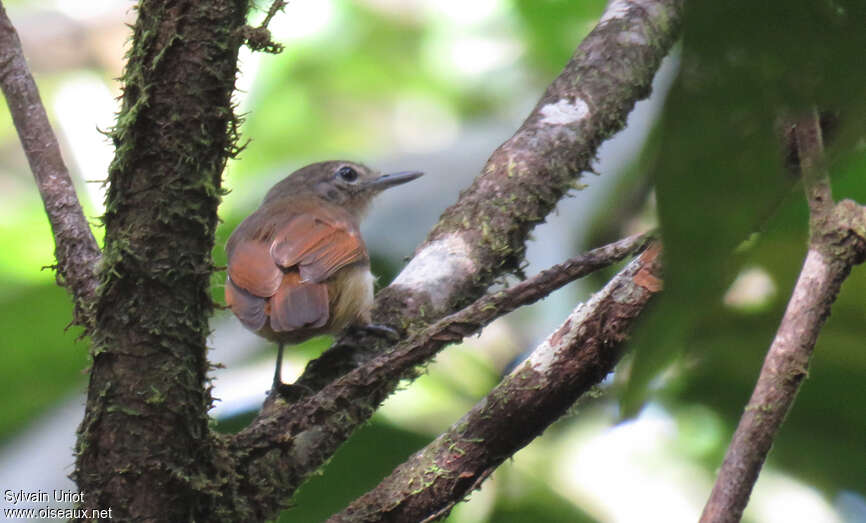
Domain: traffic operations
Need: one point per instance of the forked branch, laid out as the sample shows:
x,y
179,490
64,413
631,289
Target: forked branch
x,y
837,243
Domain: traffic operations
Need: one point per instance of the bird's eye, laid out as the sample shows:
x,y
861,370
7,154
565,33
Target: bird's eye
x,y
347,174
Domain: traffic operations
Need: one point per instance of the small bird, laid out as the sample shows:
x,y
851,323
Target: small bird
x,y
297,266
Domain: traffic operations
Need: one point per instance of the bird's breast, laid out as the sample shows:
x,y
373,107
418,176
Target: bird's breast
x,y
350,293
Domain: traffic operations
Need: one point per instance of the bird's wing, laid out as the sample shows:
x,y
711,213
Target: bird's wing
x,y
281,275
251,268
248,308
298,304
319,245
310,248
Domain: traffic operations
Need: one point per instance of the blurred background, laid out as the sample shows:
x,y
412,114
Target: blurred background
x,y
437,86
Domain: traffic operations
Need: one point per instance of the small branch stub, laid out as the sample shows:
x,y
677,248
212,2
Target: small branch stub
x,y
259,38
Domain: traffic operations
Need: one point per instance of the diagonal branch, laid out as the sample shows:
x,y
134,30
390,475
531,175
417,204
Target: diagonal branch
x,y
483,235
837,243
75,247
577,356
477,240
317,425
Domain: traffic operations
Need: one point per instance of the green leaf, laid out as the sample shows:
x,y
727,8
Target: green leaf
x,y
745,68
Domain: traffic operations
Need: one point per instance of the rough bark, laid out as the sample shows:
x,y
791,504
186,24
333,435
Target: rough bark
x,y
144,446
577,356
296,441
483,235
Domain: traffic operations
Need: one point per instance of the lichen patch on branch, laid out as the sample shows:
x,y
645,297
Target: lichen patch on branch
x,y
545,354
436,268
564,112
631,38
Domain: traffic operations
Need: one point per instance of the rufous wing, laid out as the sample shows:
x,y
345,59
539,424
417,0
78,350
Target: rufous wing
x,y
251,268
318,246
248,308
298,304
280,276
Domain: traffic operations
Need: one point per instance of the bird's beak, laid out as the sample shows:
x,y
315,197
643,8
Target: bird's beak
x,y
390,180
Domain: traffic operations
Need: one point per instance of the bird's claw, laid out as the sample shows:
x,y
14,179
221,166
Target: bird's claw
x,y
291,391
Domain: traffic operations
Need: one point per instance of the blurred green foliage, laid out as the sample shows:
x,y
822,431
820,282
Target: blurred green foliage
x,y
551,28
41,361
720,176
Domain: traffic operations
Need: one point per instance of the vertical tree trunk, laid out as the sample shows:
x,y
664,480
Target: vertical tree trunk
x,y
144,449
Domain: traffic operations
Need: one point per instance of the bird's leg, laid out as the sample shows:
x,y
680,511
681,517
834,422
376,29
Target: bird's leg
x,y
278,371
288,391
376,329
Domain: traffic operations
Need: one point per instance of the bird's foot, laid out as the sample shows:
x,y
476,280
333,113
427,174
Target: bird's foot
x,y
290,391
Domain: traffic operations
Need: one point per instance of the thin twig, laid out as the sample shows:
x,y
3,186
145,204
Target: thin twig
x,y
574,358
837,243
471,319
276,7
816,181
75,248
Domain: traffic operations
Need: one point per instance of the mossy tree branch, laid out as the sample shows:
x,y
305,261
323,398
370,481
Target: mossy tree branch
x,y
574,358
477,240
144,446
483,235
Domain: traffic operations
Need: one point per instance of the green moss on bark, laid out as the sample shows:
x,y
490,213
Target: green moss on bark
x,y
145,447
